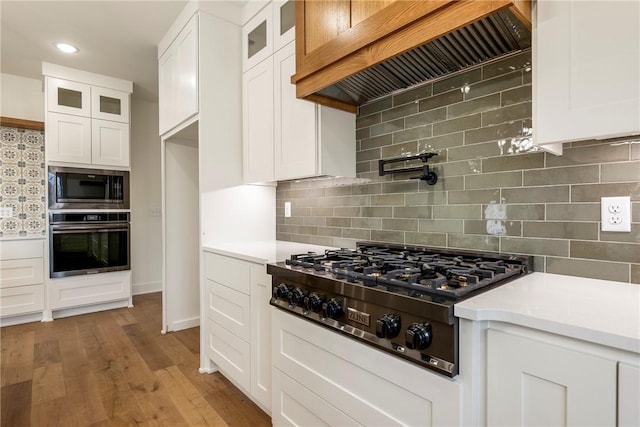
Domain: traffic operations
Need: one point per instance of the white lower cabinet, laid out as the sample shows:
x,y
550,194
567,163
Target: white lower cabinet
x,y
21,277
536,383
628,395
79,291
238,325
323,378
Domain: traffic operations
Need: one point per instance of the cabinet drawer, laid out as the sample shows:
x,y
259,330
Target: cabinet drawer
x,y
92,289
228,272
20,249
20,272
230,353
230,309
21,300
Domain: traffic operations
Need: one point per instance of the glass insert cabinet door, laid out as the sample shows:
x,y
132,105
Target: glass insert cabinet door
x,y
68,97
109,104
284,23
257,38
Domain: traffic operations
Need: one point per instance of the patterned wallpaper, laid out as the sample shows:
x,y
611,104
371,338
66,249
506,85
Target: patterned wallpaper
x,y
22,182
494,192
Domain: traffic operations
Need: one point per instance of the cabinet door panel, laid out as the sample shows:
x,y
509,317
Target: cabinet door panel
x,y
295,122
284,23
261,335
586,64
187,71
532,383
257,121
68,97
68,138
110,143
166,93
257,38
231,354
628,395
109,104
19,272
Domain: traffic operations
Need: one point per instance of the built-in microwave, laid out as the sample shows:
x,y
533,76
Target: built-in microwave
x,y
80,188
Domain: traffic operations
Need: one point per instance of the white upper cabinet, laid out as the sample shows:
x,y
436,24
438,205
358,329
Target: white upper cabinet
x,y
257,124
178,78
586,67
68,97
109,143
109,104
284,23
310,139
257,38
87,119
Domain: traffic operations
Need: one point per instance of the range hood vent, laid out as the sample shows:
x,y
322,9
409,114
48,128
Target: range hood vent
x,y
497,35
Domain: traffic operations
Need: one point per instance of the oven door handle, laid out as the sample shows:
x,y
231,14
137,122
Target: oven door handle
x,y
100,229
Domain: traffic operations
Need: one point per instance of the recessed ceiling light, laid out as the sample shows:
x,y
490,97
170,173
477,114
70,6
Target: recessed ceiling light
x,y
66,47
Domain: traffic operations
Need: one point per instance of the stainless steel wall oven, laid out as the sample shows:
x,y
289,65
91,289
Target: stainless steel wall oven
x,y
79,188
87,243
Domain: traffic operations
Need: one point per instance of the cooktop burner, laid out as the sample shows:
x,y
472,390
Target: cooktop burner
x,y
446,273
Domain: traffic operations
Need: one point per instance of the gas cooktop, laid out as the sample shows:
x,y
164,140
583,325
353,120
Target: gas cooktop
x,y
415,270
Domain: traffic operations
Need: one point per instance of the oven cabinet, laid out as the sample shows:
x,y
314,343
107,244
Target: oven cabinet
x,y
542,379
321,377
178,78
238,324
112,289
21,278
574,45
87,118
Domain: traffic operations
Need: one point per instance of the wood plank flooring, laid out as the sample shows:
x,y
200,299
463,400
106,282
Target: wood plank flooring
x,y
114,368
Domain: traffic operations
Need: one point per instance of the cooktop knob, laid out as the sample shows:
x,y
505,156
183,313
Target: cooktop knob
x,y
281,291
296,296
332,309
418,336
313,302
388,326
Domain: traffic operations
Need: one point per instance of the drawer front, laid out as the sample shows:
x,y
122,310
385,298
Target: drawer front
x,y
91,289
20,272
295,405
21,300
230,309
229,272
230,353
20,249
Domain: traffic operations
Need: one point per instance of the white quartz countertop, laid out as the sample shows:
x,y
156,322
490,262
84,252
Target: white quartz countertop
x,y
261,252
598,311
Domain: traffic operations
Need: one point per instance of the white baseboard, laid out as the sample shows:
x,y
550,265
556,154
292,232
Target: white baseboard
x,y
74,311
179,325
146,288
23,318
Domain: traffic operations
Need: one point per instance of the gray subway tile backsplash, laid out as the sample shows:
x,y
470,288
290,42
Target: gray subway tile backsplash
x,y
539,204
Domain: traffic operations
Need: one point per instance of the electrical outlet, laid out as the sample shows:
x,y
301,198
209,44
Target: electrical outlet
x,y
616,214
6,212
156,212
287,209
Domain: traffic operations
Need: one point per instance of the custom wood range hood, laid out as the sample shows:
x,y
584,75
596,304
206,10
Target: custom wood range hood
x,y
351,52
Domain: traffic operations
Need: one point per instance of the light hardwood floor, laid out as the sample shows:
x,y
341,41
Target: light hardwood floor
x,y
114,368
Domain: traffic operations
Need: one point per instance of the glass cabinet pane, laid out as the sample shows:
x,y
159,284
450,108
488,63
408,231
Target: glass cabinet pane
x,y
110,105
69,98
287,16
257,39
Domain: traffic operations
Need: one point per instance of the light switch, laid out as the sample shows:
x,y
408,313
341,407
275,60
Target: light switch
x,y
6,212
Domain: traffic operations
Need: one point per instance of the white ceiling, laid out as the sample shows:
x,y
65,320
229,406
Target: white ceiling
x,y
115,38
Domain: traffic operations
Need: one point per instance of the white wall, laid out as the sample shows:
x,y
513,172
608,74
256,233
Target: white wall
x,y
22,98
146,194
